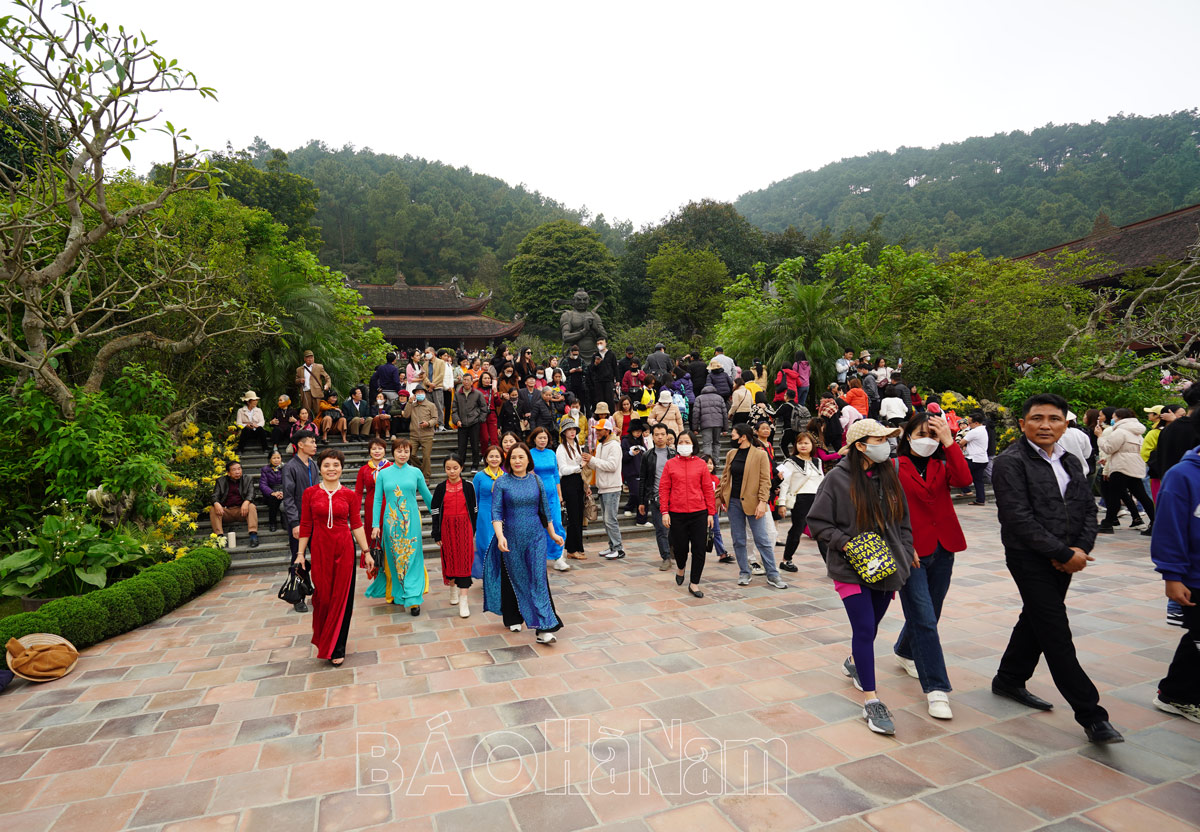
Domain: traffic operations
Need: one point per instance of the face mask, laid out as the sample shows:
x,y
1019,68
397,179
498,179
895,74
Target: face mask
x,y
574,411
380,401
683,450
878,453
420,397
924,446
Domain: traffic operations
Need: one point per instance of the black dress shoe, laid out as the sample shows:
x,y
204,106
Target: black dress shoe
x,y
273,526
414,611
300,606
1023,696
679,580
1102,732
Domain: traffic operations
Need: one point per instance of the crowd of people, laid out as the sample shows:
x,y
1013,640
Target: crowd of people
x,y
869,474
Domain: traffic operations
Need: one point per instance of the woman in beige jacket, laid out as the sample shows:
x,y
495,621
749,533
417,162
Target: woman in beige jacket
x,y
1121,448
667,413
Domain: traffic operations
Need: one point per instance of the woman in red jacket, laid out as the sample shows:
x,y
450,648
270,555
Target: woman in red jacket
x,y
687,502
929,464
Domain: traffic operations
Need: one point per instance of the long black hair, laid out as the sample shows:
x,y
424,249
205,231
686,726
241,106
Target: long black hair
x,y
744,429
870,512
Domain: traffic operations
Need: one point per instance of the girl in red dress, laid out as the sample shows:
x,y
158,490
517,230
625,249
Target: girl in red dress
x,y
454,514
364,483
331,520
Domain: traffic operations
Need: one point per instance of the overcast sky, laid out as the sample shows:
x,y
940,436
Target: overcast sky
x,y
636,108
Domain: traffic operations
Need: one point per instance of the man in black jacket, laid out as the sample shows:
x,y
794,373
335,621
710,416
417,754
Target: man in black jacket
x,y
624,364
603,375
470,411
298,474
653,462
1048,527
698,370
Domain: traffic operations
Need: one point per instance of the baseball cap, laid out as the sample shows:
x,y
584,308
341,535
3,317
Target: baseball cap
x,y
864,428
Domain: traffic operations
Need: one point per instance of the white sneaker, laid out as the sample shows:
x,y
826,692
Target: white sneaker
x,y
627,514
516,628
561,565
546,638
939,705
464,609
607,552
453,596
615,554
910,667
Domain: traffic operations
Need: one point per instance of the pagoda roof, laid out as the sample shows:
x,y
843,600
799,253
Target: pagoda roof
x,y
405,299
405,328
1145,244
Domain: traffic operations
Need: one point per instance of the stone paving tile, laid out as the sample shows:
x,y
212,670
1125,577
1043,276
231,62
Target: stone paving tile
x,y
726,713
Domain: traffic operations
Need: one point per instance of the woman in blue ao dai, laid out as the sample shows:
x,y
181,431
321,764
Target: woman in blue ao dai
x,y
483,483
545,465
402,579
515,585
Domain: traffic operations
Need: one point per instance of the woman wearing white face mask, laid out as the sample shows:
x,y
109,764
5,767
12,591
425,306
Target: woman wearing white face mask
x,y
687,502
930,464
860,521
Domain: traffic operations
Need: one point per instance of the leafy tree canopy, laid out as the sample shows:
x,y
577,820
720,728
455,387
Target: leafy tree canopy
x,y
688,287
552,263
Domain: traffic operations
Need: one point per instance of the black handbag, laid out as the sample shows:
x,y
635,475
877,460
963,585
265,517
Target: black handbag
x,y
709,543
297,586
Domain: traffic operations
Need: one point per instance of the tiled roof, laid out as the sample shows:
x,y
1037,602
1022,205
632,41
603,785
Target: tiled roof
x,y
1140,245
405,328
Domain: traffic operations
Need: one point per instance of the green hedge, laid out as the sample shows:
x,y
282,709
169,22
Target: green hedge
x,y
125,605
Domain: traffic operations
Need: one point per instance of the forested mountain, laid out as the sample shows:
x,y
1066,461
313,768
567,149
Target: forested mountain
x,y
1007,194
380,214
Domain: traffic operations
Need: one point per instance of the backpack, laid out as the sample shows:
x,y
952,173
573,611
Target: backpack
x,y
681,402
800,417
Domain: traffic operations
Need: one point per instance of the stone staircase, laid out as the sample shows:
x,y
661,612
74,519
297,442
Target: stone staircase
x,y
273,550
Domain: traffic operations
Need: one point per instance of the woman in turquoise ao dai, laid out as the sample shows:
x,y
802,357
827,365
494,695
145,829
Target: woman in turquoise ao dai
x,y
483,483
402,579
545,465
515,585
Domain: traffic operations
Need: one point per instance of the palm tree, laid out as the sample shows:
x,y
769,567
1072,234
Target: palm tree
x,y
792,315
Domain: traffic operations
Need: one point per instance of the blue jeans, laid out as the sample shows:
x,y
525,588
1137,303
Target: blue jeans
x,y
718,542
801,396
922,598
759,527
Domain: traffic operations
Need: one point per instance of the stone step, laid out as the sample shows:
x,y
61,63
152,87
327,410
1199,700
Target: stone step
x,y
273,550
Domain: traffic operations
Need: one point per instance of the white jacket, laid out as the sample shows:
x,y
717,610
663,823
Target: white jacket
x,y
607,464
798,480
1121,447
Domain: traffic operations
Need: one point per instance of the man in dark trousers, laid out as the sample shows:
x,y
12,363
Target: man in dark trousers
x,y
653,462
470,411
1048,527
576,371
299,473
604,376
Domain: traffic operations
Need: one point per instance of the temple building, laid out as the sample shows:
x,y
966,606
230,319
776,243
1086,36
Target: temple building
x,y
1145,245
438,316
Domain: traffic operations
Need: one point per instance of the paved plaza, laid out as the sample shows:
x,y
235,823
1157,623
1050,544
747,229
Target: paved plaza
x,y
217,716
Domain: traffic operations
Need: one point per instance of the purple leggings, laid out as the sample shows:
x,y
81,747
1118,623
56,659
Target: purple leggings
x,y
865,610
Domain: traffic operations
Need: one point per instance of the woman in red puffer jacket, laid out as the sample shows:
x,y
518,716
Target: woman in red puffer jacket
x,y
687,502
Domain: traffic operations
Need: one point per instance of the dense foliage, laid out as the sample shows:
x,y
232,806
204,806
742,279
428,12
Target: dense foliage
x,y
552,262
87,619
1006,194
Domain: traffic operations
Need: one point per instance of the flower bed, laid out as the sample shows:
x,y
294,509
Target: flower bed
x,y
123,606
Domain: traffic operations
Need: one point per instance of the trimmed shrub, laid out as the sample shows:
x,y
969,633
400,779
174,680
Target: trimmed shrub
x,y
24,623
123,614
167,583
182,574
198,572
215,560
146,597
81,620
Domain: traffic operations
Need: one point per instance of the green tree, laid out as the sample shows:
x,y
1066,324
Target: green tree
x,y
290,199
86,267
688,287
885,297
998,313
775,324
552,262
